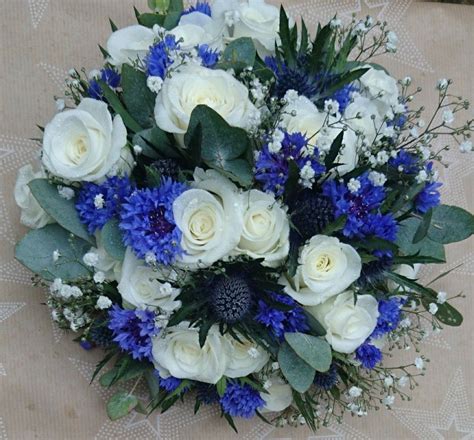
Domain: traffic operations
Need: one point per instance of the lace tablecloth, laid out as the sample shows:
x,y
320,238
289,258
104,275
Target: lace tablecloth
x,y
44,377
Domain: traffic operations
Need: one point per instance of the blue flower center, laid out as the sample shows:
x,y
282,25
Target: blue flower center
x,y
158,223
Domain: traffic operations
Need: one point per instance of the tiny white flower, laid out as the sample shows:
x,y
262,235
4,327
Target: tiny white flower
x,y
65,292
267,384
382,157
65,192
103,302
60,104
154,83
414,132
56,285
465,147
448,116
433,308
353,185
274,147
441,297
75,291
93,74
291,96
355,391
99,277
442,84
307,175
419,363
377,179
399,108
392,38
56,255
72,72
413,305
405,323
388,381
388,131
137,149
331,106
231,17
91,258
150,258
99,201
335,23
406,81
275,366
55,315
388,400
421,177
403,381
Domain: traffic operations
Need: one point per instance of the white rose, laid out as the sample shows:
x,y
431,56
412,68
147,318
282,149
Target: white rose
x,y
381,87
266,228
143,286
179,354
129,44
259,21
209,217
245,357
197,28
278,397
314,124
32,214
194,85
370,120
326,267
84,143
347,324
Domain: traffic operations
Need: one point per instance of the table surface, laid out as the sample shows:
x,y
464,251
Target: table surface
x,y
44,377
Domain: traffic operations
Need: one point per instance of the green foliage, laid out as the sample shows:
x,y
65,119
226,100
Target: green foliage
x,y
329,160
298,373
219,145
35,251
316,352
62,210
138,98
112,240
450,224
121,404
156,144
238,55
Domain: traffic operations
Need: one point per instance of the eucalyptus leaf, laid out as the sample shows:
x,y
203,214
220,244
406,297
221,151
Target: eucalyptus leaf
x,y
297,372
315,351
112,240
450,224
155,144
238,54
138,98
35,251
62,210
121,404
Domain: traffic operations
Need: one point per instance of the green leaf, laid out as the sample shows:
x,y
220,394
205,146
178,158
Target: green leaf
x,y
315,326
221,385
413,259
118,107
406,233
149,20
62,210
450,224
113,26
35,251
156,144
422,230
334,151
297,372
446,313
291,185
315,351
121,404
345,78
287,46
222,147
335,226
320,46
238,54
153,176
107,379
112,240
153,384
171,20
138,98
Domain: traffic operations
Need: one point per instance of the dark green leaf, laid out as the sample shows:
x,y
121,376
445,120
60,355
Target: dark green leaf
x,y
291,185
315,351
156,144
297,372
238,54
221,385
171,20
335,226
35,251
112,239
120,405
316,328
446,313
113,26
62,210
138,98
344,79
334,151
149,20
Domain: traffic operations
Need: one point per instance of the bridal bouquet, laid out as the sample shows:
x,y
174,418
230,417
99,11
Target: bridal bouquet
x,y
234,209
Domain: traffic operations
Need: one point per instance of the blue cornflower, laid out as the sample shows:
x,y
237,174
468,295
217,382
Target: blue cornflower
x,y
343,96
133,330
85,344
361,208
170,383
428,197
328,379
158,59
98,203
108,76
202,7
209,57
241,400
389,316
272,168
368,355
282,321
148,224
207,393
406,162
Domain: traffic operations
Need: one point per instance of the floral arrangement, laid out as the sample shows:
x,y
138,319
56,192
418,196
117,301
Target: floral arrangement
x,y
234,210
